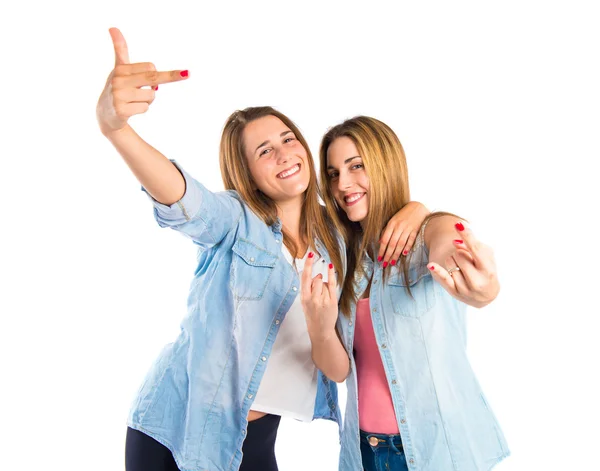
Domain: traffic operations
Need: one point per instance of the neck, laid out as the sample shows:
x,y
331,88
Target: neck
x,y
290,213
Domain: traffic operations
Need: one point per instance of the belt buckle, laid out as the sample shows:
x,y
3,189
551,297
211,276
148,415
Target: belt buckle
x,y
373,441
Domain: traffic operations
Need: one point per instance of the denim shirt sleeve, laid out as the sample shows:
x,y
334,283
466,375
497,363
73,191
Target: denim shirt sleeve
x,y
203,216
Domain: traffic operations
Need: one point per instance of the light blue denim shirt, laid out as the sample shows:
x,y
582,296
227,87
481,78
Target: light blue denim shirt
x,y
196,397
442,414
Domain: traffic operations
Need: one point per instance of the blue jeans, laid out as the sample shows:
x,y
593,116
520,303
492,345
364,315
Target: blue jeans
x,y
382,452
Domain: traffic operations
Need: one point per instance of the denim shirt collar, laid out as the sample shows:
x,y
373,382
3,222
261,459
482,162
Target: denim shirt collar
x,y
276,226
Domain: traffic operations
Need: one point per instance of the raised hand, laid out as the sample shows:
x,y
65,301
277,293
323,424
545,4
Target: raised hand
x,y
319,301
124,94
470,273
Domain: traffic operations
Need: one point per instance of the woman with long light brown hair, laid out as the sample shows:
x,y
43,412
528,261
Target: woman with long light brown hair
x,y
247,354
413,399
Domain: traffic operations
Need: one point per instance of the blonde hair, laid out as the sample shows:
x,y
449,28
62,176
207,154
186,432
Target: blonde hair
x,y
314,222
385,163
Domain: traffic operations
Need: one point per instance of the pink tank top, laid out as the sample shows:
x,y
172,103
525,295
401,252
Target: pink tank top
x,y
375,407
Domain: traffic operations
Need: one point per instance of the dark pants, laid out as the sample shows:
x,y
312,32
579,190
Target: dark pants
x,y
143,453
382,452
259,445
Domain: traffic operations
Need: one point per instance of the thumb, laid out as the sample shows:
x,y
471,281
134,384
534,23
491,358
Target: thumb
x,y
120,45
442,276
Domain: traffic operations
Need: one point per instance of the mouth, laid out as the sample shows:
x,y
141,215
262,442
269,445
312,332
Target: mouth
x,y
353,198
290,172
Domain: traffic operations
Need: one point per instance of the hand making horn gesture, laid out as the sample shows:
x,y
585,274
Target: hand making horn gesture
x,y
470,273
319,301
124,94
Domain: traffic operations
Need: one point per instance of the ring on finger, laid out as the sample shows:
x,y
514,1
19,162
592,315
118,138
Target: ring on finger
x,y
452,270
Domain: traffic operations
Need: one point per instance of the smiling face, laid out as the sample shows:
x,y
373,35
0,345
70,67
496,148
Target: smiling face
x,y
277,160
348,179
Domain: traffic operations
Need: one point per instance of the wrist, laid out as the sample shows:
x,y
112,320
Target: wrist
x,y
322,337
113,134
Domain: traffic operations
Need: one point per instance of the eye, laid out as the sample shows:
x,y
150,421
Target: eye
x,y
333,175
288,139
357,166
265,151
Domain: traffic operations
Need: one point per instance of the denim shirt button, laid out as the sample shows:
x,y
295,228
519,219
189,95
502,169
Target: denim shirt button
x,y
277,322
403,421
394,381
250,396
264,358
412,462
350,323
251,259
383,345
294,288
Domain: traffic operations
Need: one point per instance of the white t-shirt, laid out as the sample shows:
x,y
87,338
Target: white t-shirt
x,y
289,385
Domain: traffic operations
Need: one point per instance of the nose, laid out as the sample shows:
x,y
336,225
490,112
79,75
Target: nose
x,y
282,156
344,181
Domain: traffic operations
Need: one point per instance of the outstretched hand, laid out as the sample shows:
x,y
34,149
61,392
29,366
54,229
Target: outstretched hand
x,y
475,282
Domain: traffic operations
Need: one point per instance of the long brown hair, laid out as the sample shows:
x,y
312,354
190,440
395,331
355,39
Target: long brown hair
x,y
314,221
385,163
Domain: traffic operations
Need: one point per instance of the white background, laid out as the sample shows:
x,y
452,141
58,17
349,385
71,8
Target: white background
x,y
497,105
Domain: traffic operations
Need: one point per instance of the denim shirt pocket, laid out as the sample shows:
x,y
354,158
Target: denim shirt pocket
x,y
251,269
422,293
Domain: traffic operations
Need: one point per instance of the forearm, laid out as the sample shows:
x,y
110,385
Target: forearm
x,y
159,177
331,358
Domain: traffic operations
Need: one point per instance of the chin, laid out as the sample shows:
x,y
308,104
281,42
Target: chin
x,y
356,216
295,193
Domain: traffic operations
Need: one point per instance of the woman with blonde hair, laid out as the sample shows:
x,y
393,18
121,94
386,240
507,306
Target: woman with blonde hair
x,y
246,353
413,399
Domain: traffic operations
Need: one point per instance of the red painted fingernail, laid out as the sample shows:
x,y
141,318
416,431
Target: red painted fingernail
x,y
385,264
184,73
405,252
459,226
379,259
311,255
393,262
330,266
431,268
156,88
458,241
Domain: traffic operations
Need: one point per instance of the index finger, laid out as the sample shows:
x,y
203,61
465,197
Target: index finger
x,y
120,45
307,275
152,78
